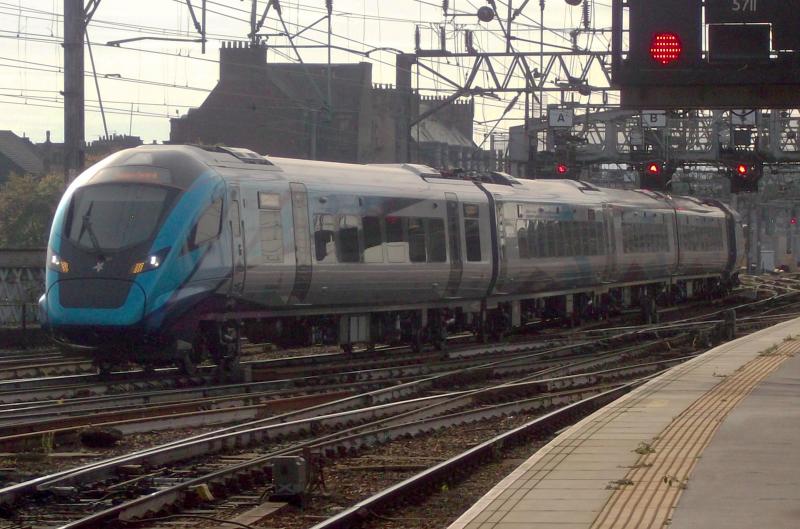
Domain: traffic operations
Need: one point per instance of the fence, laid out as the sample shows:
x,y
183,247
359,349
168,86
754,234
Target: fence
x,y
22,273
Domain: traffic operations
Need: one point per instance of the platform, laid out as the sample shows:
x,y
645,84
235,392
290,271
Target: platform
x,y
711,443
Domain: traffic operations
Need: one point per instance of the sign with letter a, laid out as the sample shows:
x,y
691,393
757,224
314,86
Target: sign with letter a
x,y
560,117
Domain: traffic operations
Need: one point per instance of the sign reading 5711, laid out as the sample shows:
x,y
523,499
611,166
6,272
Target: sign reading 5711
x,y
744,11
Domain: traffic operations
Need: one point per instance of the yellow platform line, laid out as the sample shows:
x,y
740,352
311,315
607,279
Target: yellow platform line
x,y
652,488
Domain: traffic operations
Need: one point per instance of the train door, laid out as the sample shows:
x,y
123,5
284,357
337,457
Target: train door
x,y
454,246
239,258
302,243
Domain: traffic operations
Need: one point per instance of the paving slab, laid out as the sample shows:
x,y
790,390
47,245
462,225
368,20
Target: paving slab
x,y
585,477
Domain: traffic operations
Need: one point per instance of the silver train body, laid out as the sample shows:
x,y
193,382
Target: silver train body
x,y
317,251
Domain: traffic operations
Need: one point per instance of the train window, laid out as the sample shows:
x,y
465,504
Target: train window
x,y
269,201
472,234
347,245
437,244
208,225
373,240
324,240
540,239
416,240
394,229
522,239
236,219
271,236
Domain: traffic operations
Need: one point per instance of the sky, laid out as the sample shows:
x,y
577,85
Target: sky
x,y
144,83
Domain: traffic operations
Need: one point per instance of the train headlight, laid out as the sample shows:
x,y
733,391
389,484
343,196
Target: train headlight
x,y
55,262
152,262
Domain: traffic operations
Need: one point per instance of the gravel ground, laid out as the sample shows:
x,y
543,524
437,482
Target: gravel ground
x,y
27,465
352,479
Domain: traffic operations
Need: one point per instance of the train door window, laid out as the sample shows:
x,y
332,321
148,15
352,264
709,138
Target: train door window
x,y
373,240
236,219
208,226
472,232
347,243
271,236
522,239
416,240
324,239
437,243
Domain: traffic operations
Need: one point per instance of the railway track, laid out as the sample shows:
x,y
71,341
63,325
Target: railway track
x,y
351,422
384,422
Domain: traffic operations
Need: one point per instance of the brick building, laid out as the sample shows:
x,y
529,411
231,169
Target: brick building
x,y
283,110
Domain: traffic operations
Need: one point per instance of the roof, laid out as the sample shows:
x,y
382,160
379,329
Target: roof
x,y
432,130
20,152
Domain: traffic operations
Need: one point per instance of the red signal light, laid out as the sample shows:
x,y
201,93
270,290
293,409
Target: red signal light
x,y
666,48
742,169
793,222
562,168
653,168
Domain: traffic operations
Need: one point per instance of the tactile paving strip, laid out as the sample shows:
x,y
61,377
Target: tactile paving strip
x,y
651,490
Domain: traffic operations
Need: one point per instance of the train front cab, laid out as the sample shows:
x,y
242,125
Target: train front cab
x,y
128,236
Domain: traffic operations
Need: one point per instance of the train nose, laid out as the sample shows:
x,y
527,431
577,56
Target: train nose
x,y
95,301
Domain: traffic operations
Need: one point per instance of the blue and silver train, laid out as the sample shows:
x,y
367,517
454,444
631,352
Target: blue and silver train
x,y
165,253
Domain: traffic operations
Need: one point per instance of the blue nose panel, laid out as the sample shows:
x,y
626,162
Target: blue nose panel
x,y
129,312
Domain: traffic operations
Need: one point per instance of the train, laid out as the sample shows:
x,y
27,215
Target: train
x,y
174,253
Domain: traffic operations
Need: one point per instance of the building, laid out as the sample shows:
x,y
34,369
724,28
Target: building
x,y
309,111
18,156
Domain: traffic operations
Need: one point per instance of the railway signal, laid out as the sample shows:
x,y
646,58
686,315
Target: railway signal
x,y
562,169
692,53
744,177
655,176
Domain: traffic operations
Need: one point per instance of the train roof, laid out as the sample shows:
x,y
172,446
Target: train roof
x,y
243,165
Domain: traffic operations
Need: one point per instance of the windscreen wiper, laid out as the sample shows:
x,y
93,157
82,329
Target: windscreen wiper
x,y
86,226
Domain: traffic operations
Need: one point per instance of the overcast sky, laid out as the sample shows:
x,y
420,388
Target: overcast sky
x,y
144,83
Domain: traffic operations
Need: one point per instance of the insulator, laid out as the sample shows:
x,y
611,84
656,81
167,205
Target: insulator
x,y
587,14
417,39
445,6
329,6
277,5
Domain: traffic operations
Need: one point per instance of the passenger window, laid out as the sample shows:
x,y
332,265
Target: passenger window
x,y
522,239
416,241
208,226
348,239
472,233
437,243
324,240
271,236
373,240
394,229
